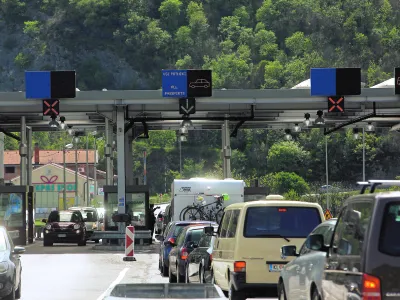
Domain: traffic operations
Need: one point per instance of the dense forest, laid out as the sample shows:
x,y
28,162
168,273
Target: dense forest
x,y
124,44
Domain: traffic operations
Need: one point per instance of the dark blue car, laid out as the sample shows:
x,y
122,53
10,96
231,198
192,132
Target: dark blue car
x,y
172,230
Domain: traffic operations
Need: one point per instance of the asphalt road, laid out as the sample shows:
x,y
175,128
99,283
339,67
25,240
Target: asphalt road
x,y
69,272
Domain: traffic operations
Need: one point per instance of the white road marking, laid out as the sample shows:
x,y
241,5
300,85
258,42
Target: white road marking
x,y
114,283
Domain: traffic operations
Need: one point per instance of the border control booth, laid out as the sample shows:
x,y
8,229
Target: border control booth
x,y
137,205
16,212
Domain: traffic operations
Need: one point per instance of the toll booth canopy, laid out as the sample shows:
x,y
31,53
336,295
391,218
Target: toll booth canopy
x,y
136,203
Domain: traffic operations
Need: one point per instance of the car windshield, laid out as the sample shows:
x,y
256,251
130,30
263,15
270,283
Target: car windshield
x,y
63,217
178,229
195,235
90,215
280,221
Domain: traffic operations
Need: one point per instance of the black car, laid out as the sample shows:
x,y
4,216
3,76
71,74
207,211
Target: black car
x,y
198,264
10,267
363,257
185,243
65,226
168,238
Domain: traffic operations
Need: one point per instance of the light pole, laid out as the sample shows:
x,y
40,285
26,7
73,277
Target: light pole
x,y
68,146
87,170
76,140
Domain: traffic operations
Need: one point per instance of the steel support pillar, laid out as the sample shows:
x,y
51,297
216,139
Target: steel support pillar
x,y
1,158
107,153
29,155
121,158
222,150
226,148
128,159
23,152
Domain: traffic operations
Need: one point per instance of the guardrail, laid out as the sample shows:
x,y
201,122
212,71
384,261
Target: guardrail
x,y
140,235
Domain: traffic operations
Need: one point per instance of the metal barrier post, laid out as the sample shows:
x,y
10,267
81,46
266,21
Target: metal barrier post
x,y
130,244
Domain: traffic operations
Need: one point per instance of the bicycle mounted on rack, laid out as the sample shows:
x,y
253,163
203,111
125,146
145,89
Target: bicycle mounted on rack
x,y
198,212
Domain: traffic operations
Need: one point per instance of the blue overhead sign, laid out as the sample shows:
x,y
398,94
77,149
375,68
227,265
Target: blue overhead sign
x,y
174,83
335,81
186,83
50,84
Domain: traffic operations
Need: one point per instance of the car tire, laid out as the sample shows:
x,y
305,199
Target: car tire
x,y
187,274
82,242
10,296
96,241
179,277
315,295
281,292
47,243
171,277
201,275
18,291
164,270
234,294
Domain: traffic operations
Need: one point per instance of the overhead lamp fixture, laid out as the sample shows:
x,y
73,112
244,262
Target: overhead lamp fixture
x,y
186,123
320,120
296,128
53,123
355,133
70,130
288,135
62,125
183,138
370,127
307,120
183,130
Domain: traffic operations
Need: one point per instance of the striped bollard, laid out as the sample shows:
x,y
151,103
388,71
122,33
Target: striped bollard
x,y
130,244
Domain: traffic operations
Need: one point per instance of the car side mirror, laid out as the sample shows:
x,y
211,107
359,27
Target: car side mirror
x,y
315,242
209,230
44,220
19,250
289,251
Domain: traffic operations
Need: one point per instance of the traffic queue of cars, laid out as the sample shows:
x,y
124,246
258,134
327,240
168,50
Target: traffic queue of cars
x,y
75,225
268,246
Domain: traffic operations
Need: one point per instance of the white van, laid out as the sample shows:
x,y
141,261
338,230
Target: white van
x,y
247,256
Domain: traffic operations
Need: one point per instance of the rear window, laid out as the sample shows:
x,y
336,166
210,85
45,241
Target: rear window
x,y
195,235
389,242
296,222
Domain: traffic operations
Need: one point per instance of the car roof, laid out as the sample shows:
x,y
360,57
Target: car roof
x,y
192,222
263,203
81,208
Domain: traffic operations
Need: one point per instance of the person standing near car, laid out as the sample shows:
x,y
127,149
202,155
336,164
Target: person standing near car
x,y
152,220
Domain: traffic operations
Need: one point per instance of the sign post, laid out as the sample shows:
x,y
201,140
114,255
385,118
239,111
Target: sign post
x,y
129,244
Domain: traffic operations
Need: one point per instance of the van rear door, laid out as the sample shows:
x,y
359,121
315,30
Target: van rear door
x,y
383,260
266,229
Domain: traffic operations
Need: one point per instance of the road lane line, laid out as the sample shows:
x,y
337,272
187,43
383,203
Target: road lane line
x,y
114,283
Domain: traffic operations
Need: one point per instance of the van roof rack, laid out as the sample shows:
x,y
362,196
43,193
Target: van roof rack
x,y
374,183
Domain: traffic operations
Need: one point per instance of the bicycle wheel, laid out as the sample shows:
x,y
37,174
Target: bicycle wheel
x,y
192,214
182,212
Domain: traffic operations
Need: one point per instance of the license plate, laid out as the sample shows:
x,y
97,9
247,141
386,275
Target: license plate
x,y
62,235
275,267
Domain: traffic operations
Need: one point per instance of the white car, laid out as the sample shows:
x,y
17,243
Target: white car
x,y
91,218
301,278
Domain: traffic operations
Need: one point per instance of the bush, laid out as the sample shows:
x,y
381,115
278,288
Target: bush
x,y
283,182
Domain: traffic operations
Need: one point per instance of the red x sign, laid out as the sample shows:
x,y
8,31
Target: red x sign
x,y
51,107
336,104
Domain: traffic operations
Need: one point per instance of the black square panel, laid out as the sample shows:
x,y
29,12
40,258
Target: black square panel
x,y
397,81
63,84
348,81
199,83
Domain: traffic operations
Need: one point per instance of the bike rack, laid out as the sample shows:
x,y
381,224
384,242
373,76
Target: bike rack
x,y
374,183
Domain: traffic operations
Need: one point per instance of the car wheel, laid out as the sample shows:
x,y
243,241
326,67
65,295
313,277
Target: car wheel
x,y
82,242
47,243
234,294
164,269
11,296
281,291
179,277
18,291
315,294
187,275
201,275
96,241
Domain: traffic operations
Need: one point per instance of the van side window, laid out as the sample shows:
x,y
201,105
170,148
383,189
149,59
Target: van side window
x,y
389,242
233,224
356,221
225,223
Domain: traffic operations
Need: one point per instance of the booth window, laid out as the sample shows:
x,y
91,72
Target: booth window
x,y
9,170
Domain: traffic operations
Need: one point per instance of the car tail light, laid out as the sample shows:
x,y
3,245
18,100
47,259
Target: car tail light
x,y
239,266
184,254
371,287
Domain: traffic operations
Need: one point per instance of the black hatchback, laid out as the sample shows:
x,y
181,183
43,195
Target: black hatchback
x,y
363,257
65,226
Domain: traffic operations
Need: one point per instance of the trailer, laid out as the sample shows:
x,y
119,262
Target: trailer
x,y
202,192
